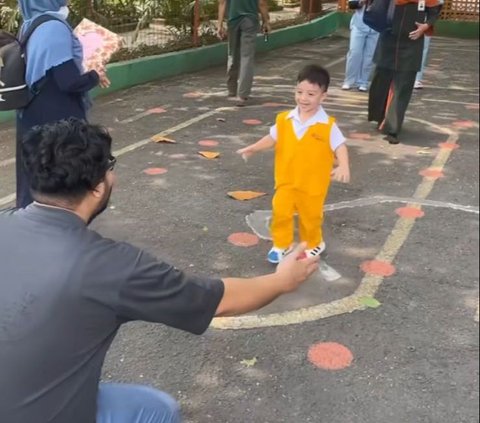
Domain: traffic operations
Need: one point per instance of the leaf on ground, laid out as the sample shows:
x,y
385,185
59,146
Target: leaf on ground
x,y
209,154
370,302
161,138
245,195
249,363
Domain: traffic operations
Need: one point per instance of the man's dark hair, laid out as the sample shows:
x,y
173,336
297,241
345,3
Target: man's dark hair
x,y
315,74
66,159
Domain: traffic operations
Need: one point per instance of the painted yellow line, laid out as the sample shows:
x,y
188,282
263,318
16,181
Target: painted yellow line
x,y
370,283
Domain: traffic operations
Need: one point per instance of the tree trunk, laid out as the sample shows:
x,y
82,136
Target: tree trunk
x,y
313,7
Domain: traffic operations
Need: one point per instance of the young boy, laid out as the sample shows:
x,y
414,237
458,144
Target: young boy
x,y
306,142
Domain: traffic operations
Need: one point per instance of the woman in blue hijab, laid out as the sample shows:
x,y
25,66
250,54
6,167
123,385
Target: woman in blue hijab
x,y
55,74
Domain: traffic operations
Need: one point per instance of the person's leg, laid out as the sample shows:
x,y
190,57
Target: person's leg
x,y
367,60
354,57
426,47
123,403
310,216
233,65
378,95
249,30
283,210
23,195
403,83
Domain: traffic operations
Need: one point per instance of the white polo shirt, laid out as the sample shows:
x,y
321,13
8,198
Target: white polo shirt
x,y
300,128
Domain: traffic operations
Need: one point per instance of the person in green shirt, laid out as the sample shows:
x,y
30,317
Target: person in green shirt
x,y
243,25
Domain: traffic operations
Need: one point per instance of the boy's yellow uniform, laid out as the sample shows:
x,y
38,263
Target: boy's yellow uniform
x,y
302,178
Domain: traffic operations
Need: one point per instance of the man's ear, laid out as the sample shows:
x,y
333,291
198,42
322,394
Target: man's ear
x,y
99,190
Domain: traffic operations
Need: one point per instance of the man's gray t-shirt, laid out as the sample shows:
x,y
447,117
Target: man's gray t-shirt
x,y
64,292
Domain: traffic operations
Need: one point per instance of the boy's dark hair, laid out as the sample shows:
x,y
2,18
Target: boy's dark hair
x,y
315,74
66,159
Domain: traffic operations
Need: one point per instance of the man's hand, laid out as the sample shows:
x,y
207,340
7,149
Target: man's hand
x,y
221,33
421,29
341,174
266,28
247,152
104,82
293,270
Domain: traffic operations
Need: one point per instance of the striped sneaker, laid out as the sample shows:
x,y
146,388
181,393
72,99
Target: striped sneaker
x,y
319,249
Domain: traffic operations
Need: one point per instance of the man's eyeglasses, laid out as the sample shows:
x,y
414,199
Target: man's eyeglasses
x,y
111,163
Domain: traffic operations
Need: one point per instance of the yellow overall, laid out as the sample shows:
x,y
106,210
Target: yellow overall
x,y
302,178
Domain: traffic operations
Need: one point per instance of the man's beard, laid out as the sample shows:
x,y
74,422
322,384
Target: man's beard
x,y
103,205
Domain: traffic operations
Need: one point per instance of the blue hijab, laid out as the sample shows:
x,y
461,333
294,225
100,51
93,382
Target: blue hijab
x,y
41,58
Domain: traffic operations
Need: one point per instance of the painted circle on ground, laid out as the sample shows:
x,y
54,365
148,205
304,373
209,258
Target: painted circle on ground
x,y
208,143
157,110
410,212
252,122
193,94
155,171
449,145
432,173
378,268
359,136
274,105
463,124
330,356
243,239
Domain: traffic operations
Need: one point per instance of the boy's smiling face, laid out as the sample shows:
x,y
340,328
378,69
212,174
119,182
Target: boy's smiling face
x,y
308,97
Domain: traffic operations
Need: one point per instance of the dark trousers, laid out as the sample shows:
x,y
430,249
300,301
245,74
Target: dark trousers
x,y
24,197
390,93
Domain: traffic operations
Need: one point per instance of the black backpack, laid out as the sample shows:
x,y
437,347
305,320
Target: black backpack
x,y
14,92
378,14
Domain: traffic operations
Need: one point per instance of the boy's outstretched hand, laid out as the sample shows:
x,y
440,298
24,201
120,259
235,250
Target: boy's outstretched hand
x,y
246,152
294,269
341,174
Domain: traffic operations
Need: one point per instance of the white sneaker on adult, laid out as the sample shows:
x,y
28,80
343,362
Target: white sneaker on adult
x,y
362,88
346,87
418,85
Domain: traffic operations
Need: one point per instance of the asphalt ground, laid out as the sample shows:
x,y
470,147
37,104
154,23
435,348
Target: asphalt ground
x,y
413,358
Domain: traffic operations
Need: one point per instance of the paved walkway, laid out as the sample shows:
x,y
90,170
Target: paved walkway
x,y
401,314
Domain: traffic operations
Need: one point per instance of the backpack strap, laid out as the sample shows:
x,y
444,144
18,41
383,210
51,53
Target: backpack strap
x,y
35,24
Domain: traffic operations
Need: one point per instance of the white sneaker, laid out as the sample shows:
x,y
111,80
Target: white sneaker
x,y
362,88
314,252
418,85
275,255
346,87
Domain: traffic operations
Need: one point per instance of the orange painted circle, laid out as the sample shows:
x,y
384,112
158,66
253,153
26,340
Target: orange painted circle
x,y
432,173
208,143
359,136
330,356
449,145
410,212
243,239
378,267
155,171
157,110
252,122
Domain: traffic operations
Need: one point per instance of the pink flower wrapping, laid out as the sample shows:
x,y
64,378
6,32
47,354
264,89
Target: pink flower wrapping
x,y
98,44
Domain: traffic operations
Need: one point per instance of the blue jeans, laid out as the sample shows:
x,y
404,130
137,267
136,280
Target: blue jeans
x,y
426,46
122,403
359,58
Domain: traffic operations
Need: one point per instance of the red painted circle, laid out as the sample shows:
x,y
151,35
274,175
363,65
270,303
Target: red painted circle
x,y
157,110
432,173
243,239
378,267
252,122
194,94
449,145
359,136
410,212
155,171
208,143
330,356
463,124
